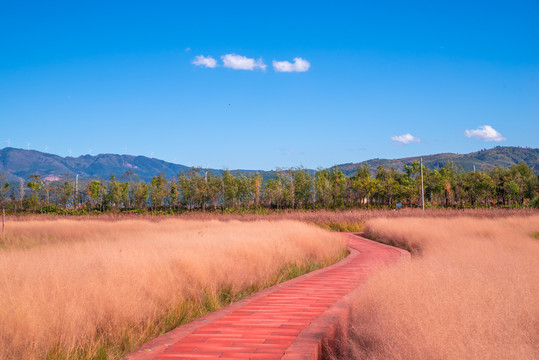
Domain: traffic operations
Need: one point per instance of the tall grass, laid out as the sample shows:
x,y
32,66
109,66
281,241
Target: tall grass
x,y
98,289
336,220
470,292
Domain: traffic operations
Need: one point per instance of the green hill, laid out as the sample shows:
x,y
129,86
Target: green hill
x,y
504,156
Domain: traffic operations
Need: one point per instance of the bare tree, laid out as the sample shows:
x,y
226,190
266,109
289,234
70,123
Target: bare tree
x,y
21,192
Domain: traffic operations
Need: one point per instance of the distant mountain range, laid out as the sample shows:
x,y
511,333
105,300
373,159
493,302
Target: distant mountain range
x,y
19,163
504,156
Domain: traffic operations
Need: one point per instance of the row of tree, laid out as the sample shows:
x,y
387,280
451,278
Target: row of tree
x,y
295,188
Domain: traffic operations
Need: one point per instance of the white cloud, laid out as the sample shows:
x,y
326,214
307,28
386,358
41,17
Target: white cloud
x,y
484,133
405,139
299,65
205,61
239,62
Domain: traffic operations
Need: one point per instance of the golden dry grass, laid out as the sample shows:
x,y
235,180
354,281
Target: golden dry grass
x,y
472,292
75,284
337,220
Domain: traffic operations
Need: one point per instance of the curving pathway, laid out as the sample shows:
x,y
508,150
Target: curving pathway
x,y
286,321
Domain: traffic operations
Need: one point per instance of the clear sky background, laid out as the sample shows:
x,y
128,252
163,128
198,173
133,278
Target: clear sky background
x,y
374,79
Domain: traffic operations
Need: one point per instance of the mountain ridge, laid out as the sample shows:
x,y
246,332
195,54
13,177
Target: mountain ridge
x,y
20,163
485,159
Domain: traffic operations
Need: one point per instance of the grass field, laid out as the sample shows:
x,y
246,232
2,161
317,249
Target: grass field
x,y
339,220
100,288
471,291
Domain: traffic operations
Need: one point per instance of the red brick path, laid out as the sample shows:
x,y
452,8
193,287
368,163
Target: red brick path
x,y
286,321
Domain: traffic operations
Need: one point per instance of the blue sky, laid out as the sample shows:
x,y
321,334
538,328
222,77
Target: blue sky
x,y
373,80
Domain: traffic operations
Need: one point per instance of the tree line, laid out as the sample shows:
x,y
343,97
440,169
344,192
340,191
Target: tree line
x,y
295,188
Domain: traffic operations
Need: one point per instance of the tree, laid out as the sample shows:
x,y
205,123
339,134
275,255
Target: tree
x,y
448,173
4,187
460,188
387,186
434,186
65,193
35,185
127,192
201,185
47,189
139,194
322,186
245,188
281,189
115,194
270,193
188,187
134,191
523,176
284,188
158,190
303,186
362,185
405,187
503,185
174,194
214,188
198,187
96,190
479,186
230,189
338,186
257,189
62,191
124,193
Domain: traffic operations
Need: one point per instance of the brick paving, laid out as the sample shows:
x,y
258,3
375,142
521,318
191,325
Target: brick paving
x,y
286,321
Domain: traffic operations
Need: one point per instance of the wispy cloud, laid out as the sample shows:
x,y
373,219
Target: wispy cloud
x,y
484,133
405,139
204,61
286,152
299,65
238,62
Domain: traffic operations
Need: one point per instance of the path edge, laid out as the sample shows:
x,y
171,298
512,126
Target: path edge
x,y
158,345
329,329
325,331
